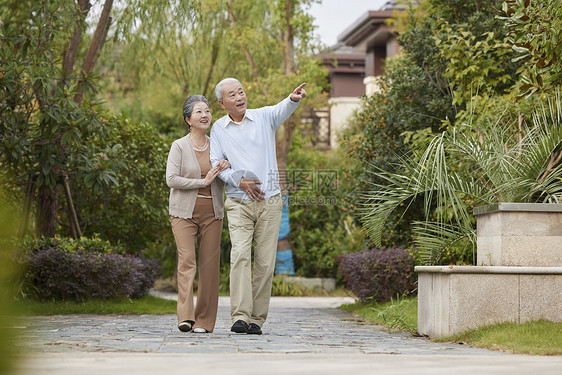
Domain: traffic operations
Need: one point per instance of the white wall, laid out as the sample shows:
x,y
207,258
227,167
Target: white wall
x,y
341,110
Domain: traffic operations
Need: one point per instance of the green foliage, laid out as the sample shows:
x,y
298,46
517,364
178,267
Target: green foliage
x,y
154,88
454,56
458,11
163,250
474,62
468,50
421,89
466,166
460,25
320,229
43,130
407,102
224,279
281,286
133,210
9,271
45,123
70,245
536,37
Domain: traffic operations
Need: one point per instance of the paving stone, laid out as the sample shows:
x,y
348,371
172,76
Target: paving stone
x,y
288,330
301,336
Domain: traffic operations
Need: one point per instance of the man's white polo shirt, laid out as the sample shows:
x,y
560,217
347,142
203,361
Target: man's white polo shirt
x,y
249,146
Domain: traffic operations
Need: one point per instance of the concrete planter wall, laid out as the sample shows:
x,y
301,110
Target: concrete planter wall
x,y
452,299
327,284
519,234
520,248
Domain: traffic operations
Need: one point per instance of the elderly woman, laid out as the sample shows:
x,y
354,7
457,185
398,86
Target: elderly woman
x,y
196,211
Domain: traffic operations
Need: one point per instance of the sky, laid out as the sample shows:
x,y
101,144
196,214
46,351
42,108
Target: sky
x,y
334,16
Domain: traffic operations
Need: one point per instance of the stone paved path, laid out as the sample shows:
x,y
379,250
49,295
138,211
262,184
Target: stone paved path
x,y
301,336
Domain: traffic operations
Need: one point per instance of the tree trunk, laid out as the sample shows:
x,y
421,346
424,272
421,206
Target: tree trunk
x,y
283,139
246,51
72,49
286,136
288,38
29,188
73,218
214,56
47,203
95,46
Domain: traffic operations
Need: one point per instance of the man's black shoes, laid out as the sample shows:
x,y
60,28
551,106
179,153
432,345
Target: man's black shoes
x,y
239,326
254,329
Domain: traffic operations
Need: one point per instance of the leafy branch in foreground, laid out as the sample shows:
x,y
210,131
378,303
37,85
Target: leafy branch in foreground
x,y
536,34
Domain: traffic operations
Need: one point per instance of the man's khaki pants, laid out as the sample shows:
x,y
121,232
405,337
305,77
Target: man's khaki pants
x,y
258,221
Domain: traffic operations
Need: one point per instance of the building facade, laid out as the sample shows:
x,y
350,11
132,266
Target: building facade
x,y
354,64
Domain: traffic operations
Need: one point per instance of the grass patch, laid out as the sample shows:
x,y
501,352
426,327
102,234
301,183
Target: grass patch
x,y
400,314
537,338
146,305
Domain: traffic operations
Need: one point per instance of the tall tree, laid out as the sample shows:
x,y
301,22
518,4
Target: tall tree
x,y
276,38
267,45
451,50
49,70
44,121
261,43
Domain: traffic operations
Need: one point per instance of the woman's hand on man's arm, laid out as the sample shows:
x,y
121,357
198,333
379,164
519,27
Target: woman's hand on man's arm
x,y
223,164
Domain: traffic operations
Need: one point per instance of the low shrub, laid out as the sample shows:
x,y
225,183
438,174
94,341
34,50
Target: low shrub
x,y
61,273
283,287
379,274
280,285
70,245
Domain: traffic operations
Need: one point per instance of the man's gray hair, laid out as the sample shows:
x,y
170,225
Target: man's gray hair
x,y
218,88
190,102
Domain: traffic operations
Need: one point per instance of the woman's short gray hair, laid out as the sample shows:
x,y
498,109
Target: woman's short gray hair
x,y
218,87
190,103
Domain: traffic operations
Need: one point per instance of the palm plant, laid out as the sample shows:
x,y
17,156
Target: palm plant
x,y
469,165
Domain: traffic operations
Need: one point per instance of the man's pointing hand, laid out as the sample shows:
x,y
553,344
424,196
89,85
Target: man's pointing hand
x,y
299,93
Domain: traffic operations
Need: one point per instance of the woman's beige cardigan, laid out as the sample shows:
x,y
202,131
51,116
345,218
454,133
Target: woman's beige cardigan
x,y
183,176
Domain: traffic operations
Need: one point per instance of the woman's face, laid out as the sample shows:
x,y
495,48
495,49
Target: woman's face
x,y
200,116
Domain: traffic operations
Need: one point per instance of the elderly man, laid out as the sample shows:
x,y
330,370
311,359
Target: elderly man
x,y
246,138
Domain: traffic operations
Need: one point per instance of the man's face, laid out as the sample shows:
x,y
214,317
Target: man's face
x,y
234,100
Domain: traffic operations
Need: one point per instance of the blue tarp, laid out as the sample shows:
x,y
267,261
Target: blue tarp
x,y
284,262
284,230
